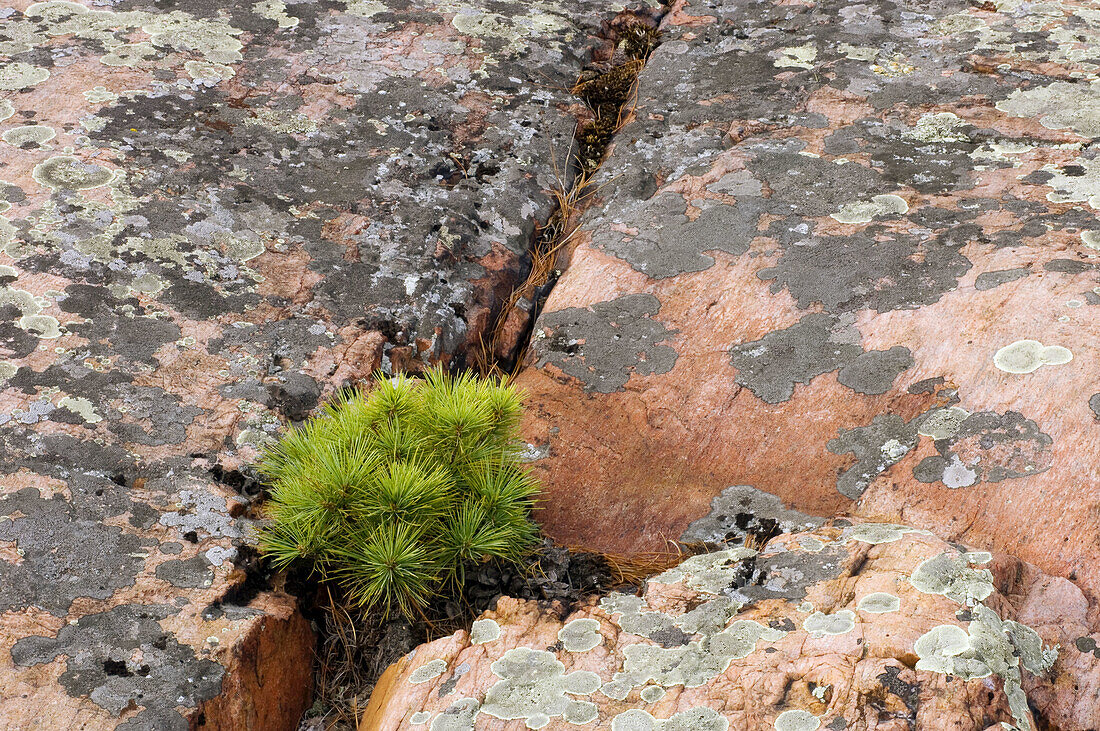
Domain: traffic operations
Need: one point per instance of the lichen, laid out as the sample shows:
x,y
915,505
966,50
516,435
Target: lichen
x,y
796,720
534,687
580,635
820,624
865,211
1026,356
879,602
876,533
942,423
695,719
708,572
698,662
428,671
484,630
951,575
992,646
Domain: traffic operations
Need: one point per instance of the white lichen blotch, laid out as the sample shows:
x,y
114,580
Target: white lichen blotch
x,y
1026,356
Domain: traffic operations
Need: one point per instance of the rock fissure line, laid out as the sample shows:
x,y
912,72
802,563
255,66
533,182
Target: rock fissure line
x,y
606,89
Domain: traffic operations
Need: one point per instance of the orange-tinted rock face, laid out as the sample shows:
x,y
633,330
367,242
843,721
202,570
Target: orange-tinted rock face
x,y
846,255
849,626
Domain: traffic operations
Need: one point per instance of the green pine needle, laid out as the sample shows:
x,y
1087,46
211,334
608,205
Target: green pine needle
x,y
393,492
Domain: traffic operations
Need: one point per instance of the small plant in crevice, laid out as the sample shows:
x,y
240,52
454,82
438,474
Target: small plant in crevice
x,y
395,493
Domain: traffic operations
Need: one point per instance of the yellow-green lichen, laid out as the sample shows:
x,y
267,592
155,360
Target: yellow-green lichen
x,y
876,533
7,110
696,663
275,10
694,719
130,55
1026,356
942,423
428,671
938,127
708,572
1059,105
801,57
652,693
991,646
82,407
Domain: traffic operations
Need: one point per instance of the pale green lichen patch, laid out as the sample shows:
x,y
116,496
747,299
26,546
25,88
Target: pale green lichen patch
x,y
534,687
1026,356
820,624
811,544
7,110
943,423
420,717
990,647
652,693
938,127
19,75
459,716
1059,105
1091,239
275,10
64,172
484,630
1082,185
45,327
864,211
953,576
428,671
801,57
876,533
709,572
82,407
31,134
695,719
580,635
879,602
796,720
698,662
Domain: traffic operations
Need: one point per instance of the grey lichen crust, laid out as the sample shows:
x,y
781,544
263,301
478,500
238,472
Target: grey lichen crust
x,y
816,344
995,446
602,345
742,509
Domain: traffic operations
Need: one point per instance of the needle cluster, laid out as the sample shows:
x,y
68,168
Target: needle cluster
x,y
395,492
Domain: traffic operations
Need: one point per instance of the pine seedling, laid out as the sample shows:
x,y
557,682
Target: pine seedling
x,y
395,492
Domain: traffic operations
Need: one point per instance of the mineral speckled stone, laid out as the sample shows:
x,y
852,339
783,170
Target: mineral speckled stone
x,y
868,242
878,639
212,215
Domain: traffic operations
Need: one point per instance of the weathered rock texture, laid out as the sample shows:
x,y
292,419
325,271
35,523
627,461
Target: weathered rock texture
x,y
849,626
846,254
212,215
